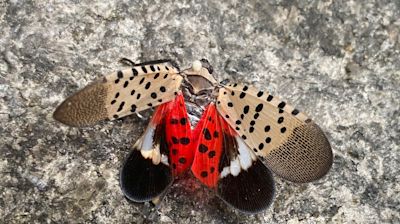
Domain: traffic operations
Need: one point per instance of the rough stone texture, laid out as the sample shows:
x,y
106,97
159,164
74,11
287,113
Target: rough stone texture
x,y
339,61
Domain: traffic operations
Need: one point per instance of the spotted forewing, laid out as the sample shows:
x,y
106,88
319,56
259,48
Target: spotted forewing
x,y
239,125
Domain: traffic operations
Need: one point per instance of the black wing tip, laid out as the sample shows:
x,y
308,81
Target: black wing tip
x,y
250,192
141,180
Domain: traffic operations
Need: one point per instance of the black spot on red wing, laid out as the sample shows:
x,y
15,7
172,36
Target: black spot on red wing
x,y
269,98
184,141
174,121
283,130
242,95
182,160
295,112
209,118
259,107
211,154
174,151
174,166
216,134
174,140
183,121
204,174
147,86
207,134
153,95
203,148
134,72
141,81
281,105
120,74
144,69
212,169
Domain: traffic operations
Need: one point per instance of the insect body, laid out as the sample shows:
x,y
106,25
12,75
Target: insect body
x,y
238,126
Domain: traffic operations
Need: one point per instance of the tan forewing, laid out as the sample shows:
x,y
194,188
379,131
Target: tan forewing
x,y
293,146
121,93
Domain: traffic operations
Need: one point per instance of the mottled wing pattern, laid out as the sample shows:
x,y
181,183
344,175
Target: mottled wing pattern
x,y
293,146
226,164
121,93
147,172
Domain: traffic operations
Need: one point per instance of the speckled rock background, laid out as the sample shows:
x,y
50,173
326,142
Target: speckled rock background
x,y
339,61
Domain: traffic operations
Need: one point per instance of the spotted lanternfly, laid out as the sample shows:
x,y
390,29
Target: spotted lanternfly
x,y
236,127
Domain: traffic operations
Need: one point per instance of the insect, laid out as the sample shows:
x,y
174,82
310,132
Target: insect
x,y
241,135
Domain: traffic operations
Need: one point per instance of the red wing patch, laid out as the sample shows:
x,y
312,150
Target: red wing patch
x,y
225,163
208,147
179,136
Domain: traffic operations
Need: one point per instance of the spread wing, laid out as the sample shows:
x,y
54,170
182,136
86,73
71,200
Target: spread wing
x,y
293,146
121,93
226,164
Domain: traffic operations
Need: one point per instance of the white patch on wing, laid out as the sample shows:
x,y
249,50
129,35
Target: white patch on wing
x,y
235,167
147,148
148,139
245,157
225,172
243,161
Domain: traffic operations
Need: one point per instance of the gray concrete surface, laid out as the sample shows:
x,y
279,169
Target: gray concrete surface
x,y
338,61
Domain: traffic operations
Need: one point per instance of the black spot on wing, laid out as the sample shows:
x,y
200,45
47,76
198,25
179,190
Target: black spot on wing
x,y
207,134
